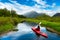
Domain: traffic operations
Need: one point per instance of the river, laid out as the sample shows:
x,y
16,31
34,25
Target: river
x,y
25,33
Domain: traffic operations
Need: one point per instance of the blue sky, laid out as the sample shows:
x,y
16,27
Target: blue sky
x,y
50,7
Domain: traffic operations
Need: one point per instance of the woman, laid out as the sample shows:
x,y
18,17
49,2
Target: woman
x,y
39,25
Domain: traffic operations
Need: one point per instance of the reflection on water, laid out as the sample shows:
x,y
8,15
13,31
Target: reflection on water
x,y
25,33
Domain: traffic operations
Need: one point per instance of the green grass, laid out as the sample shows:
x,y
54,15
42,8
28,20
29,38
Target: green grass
x,y
53,25
8,23
6,27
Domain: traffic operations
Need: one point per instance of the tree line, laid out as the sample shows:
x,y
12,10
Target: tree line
x,y
7,13
48,18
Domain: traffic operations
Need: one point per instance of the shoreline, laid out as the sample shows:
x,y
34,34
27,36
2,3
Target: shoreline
x,y
48,28
52,30
13,30
5,33
48,25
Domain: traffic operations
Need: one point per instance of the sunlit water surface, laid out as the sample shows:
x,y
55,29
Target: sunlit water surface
x,y
25,33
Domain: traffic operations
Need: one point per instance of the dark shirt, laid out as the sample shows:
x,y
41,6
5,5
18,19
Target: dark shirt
x,y
38,26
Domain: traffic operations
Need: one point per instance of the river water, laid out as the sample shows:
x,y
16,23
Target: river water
x,y
25,33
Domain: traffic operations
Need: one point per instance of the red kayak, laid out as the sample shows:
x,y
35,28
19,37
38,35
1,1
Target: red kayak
x,y
38,32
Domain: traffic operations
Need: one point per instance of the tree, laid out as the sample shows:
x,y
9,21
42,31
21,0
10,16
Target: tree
x,y
13,13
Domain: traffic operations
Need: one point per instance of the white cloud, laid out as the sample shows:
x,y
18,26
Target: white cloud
x,y
53,5
57,9
40,2
49,12
21,9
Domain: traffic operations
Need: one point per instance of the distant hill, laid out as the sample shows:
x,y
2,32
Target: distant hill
x,y
57,14
32,14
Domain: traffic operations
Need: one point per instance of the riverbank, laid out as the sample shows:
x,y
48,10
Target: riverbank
x,y
53,25
9,23
52,30
6,28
